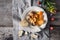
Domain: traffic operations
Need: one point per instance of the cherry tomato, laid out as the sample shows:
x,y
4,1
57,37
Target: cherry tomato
x,y
38,2
51,28
52,19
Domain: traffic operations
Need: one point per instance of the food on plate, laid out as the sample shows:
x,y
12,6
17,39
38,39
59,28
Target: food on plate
x,y
34,36
20,33
24,23
40,22
35,17
26,33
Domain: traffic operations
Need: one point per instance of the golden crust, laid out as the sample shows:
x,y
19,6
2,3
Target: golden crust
x,y
36,18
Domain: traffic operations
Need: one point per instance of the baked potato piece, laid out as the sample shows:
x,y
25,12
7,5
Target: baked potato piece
x,y
35,15
35,18
40,22
31,20
40,13
41,17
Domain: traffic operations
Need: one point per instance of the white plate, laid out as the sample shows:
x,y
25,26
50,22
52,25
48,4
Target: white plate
x,y
35,29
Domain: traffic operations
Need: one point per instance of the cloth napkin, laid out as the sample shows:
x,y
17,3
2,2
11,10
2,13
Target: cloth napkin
x,y
18,8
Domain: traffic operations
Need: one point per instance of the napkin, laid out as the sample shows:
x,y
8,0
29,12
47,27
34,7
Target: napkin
x,y
18,8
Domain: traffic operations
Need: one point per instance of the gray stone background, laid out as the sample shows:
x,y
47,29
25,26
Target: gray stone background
x,y
6,13
6,22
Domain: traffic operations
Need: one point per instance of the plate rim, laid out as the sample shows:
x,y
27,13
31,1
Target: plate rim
x,y
36,7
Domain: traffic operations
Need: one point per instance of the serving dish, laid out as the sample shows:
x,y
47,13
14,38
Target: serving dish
x,y
33,29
